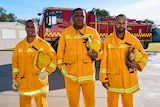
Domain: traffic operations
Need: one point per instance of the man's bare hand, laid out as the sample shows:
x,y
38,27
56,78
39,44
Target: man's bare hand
x,y
105,84
133,64
93,55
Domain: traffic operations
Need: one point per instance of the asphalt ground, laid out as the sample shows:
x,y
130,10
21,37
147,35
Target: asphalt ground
x,y
148,96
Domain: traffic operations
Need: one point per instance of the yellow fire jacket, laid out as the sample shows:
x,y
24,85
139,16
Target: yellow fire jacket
x,y
113,68
73,58
23,69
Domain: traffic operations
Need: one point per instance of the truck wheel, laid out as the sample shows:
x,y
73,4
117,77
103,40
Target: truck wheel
x,y
146,44
54,44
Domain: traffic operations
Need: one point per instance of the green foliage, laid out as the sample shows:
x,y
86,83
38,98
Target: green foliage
x,y
4,17
101,14
11,17
2,10
22,21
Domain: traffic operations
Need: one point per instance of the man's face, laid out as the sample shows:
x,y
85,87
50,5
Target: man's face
x,y
31,29
121,24
78,19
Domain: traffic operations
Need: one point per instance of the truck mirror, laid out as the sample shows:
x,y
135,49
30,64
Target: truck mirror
x,y
39,14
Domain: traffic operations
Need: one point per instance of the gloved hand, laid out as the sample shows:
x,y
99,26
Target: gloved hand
x,y
43,74
14,84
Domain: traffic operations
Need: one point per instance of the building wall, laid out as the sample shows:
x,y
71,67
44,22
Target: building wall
x,y
9,37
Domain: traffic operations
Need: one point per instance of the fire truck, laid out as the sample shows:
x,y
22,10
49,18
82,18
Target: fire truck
x,y
54,20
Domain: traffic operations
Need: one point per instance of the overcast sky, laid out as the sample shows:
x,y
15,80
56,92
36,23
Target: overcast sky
x,y
135,9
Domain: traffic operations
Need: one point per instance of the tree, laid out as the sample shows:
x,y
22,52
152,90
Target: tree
x,y
3,17
22,21
11,17
102,14
2,10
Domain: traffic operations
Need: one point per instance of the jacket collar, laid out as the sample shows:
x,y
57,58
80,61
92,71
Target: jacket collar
x,y
81,31
36,37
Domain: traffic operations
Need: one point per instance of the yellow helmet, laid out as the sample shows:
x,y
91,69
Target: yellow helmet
x,y
135,54
94,44
41,60
138,55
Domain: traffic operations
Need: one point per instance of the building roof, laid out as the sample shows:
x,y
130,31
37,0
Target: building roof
x,y
12,25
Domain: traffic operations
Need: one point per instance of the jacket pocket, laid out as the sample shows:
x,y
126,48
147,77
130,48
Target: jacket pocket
x,y
69,59
87,61
115,80
133,78
20,80
88,67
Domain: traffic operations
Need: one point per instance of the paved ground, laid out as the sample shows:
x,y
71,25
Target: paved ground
x,y
148,96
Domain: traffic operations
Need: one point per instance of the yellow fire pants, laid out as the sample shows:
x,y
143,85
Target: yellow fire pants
x,y
112,100
27,101
73,90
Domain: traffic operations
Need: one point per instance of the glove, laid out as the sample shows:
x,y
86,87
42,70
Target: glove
x,y
14,84
43,74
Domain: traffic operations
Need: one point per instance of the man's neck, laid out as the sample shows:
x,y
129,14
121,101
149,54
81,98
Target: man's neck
x,y
120,35
30,39
77,27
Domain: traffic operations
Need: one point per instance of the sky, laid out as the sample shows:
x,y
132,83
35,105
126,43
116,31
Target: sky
x,y
133,9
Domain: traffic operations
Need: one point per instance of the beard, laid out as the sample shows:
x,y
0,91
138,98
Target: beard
x,y
120,30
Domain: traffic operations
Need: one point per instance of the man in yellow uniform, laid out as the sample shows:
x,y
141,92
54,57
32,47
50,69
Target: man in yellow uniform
x,y
114,69
29,78
76,63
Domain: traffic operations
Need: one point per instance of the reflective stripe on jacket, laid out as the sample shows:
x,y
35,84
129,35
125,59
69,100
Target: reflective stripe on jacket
x,y
23,69
113,67
73,54
34,92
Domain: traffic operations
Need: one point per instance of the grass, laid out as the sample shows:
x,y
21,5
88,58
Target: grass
x,y
154,46
9,49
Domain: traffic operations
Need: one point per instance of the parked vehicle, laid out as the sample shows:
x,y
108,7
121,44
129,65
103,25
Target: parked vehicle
x,y
54,20
156,35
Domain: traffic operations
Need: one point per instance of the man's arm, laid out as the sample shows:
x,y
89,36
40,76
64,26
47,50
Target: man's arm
x,y
60,51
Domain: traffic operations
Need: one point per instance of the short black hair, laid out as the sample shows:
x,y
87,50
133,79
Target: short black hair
x,y
77,9
32,20
121,15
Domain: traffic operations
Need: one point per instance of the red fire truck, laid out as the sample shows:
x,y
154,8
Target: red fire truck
x,y
54,20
